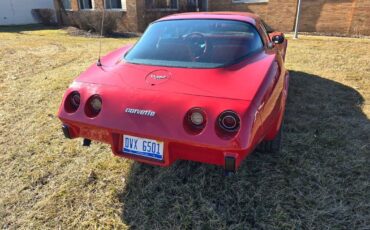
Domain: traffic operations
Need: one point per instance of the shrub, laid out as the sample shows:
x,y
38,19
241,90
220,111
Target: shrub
x,y
44,16
92,21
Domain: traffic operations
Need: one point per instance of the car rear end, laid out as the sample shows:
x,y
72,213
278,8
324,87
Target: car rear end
x,y
158,130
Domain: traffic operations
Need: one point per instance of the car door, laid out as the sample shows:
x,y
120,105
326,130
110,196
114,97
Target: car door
x,y
274,87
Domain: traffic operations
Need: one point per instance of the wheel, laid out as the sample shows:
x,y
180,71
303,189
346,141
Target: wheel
x,y
273,146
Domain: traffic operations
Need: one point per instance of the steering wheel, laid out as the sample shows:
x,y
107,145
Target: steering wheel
x,y
198,44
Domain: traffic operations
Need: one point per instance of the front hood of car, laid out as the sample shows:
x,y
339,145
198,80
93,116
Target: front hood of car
x,y
240,81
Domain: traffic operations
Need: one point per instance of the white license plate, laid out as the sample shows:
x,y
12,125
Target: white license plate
x,y
143,147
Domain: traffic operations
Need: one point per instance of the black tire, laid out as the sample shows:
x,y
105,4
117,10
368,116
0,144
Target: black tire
x,y
273,146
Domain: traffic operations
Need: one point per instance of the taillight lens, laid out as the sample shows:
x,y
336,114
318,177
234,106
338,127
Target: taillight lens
x,y
93,106
72,102
96,104
195,120
229,121
75,100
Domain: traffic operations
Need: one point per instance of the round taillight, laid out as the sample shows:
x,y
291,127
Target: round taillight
x,y
72,102
195,120
229,121
93,106
96,104
75,100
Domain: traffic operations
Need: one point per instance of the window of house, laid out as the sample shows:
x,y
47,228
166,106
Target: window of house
x,y
86,4
249,1
115,4
162,4
67,4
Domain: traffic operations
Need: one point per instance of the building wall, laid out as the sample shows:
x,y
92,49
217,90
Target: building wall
x,y
135,19
278,14
146,16
360,18
18,12
127,20
329,16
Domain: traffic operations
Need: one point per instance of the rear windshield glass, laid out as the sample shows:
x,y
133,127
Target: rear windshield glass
x,y
195,43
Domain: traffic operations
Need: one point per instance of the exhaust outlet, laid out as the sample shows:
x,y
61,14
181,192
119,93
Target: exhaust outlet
x,y
66,132
230,164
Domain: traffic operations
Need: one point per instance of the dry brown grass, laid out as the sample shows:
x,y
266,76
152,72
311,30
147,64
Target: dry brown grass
x,y
321,179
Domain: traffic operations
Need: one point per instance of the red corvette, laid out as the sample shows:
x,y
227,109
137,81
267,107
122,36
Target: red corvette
x,y
206,87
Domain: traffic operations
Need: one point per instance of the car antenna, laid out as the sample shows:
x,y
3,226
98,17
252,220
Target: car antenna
x,y
101,35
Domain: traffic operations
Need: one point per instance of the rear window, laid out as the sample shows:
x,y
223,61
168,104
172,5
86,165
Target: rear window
x,y
195,43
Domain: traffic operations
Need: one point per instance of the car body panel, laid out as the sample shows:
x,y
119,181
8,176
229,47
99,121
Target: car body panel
x,y
255,88
218,82
236,16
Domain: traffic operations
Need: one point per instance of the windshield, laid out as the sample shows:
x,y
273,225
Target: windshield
x,y
195,43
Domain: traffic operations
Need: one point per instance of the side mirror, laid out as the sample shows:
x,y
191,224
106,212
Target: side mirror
x,y
278,39
270,45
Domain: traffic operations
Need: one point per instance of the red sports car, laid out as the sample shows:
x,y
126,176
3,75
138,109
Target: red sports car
x,y
206,87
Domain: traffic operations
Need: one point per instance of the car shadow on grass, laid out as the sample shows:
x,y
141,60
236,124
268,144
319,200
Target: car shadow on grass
x,y
318,180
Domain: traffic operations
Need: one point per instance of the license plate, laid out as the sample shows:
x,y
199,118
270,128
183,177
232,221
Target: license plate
x,y
143,147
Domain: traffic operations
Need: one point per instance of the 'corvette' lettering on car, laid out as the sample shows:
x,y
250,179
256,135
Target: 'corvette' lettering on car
x,y
158,77
142,112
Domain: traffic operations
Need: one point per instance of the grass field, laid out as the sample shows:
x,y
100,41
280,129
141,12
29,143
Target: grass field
x,y
321,180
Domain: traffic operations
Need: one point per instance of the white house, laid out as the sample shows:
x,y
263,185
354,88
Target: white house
x,y
18,12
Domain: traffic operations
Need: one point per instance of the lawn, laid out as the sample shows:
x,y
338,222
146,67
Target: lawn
x,y
320,180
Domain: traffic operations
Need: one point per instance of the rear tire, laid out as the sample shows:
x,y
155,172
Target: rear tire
x,y
273,146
